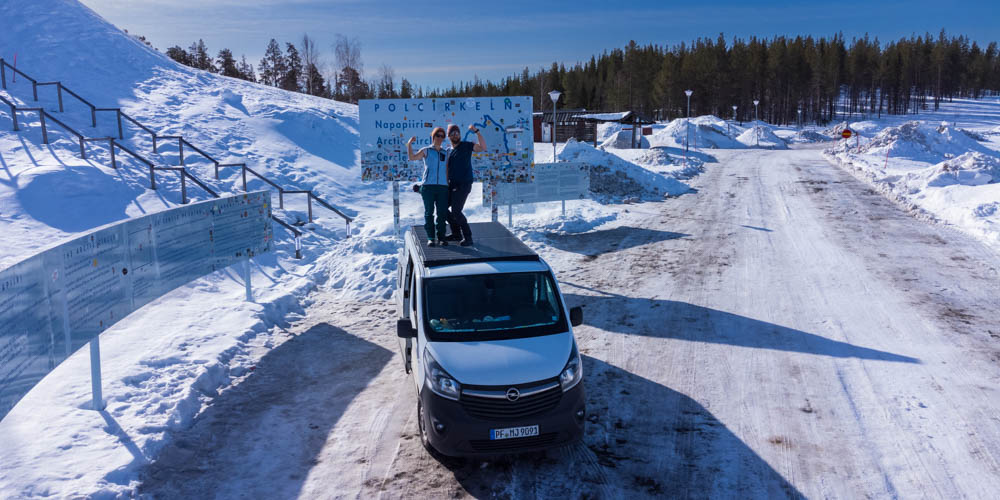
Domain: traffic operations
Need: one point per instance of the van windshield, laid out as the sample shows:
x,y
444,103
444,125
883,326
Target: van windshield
x,y
493,306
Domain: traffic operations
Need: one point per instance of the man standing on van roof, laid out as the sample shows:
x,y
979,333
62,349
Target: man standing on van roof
x,y
460,180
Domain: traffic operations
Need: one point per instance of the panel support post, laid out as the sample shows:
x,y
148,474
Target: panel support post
x,y
246,279
494,211
95,374
395,207
510,216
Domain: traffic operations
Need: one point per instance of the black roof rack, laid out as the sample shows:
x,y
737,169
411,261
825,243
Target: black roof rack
x,y
493,243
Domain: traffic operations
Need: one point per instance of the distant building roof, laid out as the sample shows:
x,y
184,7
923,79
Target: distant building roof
x,y
606,117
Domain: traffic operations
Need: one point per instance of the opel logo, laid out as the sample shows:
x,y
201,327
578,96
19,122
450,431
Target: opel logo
x,y
513,394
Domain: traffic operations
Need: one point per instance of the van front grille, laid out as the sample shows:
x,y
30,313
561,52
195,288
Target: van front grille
x,y
502,409
486,445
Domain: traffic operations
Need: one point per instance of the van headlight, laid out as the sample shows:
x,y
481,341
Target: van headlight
x,y
573,373
438,380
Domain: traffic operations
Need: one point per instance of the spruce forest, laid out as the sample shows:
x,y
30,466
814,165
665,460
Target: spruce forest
x,y
825,78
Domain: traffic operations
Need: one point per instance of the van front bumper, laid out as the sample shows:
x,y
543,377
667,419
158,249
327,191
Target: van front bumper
x,y
465,434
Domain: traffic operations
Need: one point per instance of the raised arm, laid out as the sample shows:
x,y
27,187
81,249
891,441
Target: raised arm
x,y
481,143
409,151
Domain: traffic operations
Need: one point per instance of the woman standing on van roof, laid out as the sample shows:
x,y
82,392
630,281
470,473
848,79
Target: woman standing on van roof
x,y
434,190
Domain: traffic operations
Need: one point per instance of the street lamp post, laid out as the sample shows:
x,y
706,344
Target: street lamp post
x,y
755,124
687,128
734,114
554,95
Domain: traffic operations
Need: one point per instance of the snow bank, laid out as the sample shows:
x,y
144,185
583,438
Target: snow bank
x,y
613,176
761,136
622,139
968,169
705,132
922,142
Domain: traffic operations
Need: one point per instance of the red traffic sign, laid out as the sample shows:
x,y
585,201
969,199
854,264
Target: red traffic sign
x,y
846,134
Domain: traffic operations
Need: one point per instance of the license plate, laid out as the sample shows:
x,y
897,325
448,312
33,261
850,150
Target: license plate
x,y
514,432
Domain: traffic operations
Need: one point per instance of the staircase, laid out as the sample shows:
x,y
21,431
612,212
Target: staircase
x,y
116,145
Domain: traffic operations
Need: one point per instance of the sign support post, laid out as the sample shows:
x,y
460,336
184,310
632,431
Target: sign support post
x,y
510,216
246,279
395,207
494,211
95,374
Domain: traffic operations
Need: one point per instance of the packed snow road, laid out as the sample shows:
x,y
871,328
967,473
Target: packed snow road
x,y
783,332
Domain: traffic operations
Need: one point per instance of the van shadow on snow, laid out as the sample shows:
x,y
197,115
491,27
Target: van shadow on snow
x,y
683,321
261,437
594,243
642,439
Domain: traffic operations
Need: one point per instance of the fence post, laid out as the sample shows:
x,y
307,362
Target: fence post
x,y
154,143
59,91
83,152
281,198
95,374
180,149
13,116
34,89
111,144
93,116
152,177
216,170
184,191
3,72
243,168
118,113
45,133
309,204
348,227
298,246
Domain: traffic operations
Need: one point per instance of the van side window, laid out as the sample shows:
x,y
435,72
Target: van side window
x,y
413,296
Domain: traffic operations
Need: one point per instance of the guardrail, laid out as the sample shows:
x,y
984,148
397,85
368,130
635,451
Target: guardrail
x,y
181,142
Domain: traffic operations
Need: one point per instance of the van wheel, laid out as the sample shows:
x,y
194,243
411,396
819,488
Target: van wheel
x,y
422,426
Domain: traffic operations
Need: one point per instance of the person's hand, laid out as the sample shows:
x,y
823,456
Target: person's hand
x,y
411,140
473,129
416,188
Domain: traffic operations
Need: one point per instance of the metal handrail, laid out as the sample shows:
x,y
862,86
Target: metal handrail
x,y
152,168
296,232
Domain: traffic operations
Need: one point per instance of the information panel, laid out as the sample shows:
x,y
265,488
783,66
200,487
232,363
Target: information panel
x,y
54,302
505,122
552,182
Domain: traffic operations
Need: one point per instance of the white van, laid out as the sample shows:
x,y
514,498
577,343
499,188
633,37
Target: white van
x,y
489,342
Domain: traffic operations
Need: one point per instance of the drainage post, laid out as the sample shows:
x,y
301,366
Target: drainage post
x,y
95,374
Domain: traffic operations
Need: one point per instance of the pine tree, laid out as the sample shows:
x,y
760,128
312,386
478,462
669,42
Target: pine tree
x,y
272,65
199,56
293,75
246,70
227,63
180,55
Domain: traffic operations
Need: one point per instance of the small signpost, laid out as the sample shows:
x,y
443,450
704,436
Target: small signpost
x,y
846,134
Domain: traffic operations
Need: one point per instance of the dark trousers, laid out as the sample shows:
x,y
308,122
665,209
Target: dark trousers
x,y
435,197
457,194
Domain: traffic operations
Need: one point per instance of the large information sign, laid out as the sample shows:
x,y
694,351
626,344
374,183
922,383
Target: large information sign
x,y
552,182
505,122
56,301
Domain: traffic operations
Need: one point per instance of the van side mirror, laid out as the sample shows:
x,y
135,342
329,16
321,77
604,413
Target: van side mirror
x,y
576,316
404,330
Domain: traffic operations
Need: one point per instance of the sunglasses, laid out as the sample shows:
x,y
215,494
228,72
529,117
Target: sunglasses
x,y
439,135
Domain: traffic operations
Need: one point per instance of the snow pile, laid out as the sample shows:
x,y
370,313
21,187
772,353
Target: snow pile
x,y
761,136
622,139
613,176
809,136
969,169
922,142
706,131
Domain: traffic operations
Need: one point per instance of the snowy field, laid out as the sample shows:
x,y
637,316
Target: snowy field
x,y
759,323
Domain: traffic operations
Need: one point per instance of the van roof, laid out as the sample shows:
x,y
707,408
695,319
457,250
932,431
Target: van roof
x,y
493,243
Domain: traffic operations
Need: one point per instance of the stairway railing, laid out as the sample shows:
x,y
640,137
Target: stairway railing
x,y
181,142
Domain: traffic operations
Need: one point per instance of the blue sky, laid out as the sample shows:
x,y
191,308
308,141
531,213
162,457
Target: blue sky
x,y
436,43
